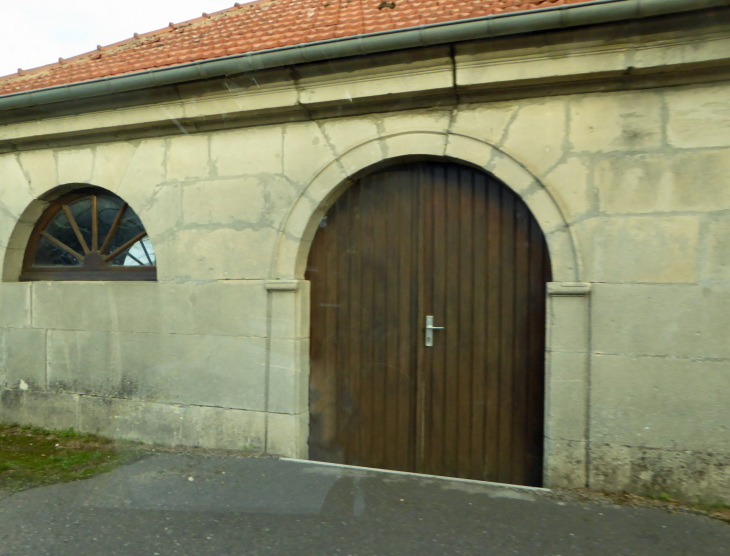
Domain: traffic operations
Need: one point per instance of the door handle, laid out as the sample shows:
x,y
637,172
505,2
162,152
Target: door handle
x,y
429,331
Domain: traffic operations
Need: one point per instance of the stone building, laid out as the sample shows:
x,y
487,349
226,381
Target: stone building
x,y
549,181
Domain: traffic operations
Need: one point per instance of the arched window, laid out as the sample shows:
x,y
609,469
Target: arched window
x,y
89,234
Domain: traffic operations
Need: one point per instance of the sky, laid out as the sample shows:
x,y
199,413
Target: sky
x,y
38,32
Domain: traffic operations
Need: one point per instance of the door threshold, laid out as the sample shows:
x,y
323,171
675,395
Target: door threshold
x,y
419,475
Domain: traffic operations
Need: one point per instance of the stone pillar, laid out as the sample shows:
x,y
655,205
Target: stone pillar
x,y
287,384
567,383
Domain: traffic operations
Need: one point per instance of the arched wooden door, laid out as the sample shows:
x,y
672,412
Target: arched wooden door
x,y
423,240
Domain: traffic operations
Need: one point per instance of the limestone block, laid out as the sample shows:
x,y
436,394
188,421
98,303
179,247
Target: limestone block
x,y
15,193
167,368
718,251
280,195
566,402
224,429
40,168
111,161
218,254
428,144
565,464
354,161
699,116
639,249
564,255
39,409
512,173
485,122
545,210
152,423
255,150
24,358
536,135
344,134
290,313
651,183
569,185
146,171
466,149
288,379
188,157
660,403
665,320
233,202
610,467
306,151
114,306
616,122
436,120
286,435
682,474
230,308
15,304
75,165
567,323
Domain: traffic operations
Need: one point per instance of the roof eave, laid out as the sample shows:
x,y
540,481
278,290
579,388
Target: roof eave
x,y
560,17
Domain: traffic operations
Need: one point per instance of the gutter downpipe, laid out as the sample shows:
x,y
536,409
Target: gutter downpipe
x,y
560,17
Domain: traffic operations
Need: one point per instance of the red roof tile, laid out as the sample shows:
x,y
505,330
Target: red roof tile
x,y
260,25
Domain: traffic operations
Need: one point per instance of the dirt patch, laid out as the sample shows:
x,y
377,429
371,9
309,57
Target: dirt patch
x,y
714,510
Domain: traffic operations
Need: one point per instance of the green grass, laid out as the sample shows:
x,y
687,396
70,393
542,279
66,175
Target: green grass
x,y
31,457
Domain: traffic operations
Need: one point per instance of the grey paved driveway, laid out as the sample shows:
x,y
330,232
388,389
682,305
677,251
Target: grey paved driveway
x,y
249,506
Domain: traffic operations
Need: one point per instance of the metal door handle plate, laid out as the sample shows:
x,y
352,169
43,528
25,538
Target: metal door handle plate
x,y
429,331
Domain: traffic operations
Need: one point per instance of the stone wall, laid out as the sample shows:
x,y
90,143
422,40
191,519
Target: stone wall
x,y
631,188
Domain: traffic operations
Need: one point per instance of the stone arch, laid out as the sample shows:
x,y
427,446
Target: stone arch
x,y
298,230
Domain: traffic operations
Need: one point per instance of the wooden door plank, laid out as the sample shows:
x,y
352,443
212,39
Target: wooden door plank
x,y
507,333
480,282
466,333
493,316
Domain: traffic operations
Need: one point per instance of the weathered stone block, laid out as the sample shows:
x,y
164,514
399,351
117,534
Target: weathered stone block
x,y
569,186
565,464
199,370
229,429
616,122
286,435
425,144
256,150
699,116
219,254
660,403
40,168
537,134
665,321
290,312
39,409
306,151
718,251
661,183
567,323
24,358
702,476
75,165
566,399
110,164
487,123
152,423
639,249
16,193
15,304
288,376
114,306
188,157
235,203
145,173
427,120
230,308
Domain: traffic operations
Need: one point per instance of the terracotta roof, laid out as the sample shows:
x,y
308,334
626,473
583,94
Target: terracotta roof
x,y
256,26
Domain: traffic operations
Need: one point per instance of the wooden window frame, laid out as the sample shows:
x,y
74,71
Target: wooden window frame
x,y
100,271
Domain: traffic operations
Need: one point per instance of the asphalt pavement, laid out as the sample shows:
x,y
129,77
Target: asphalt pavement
x,y
182,504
